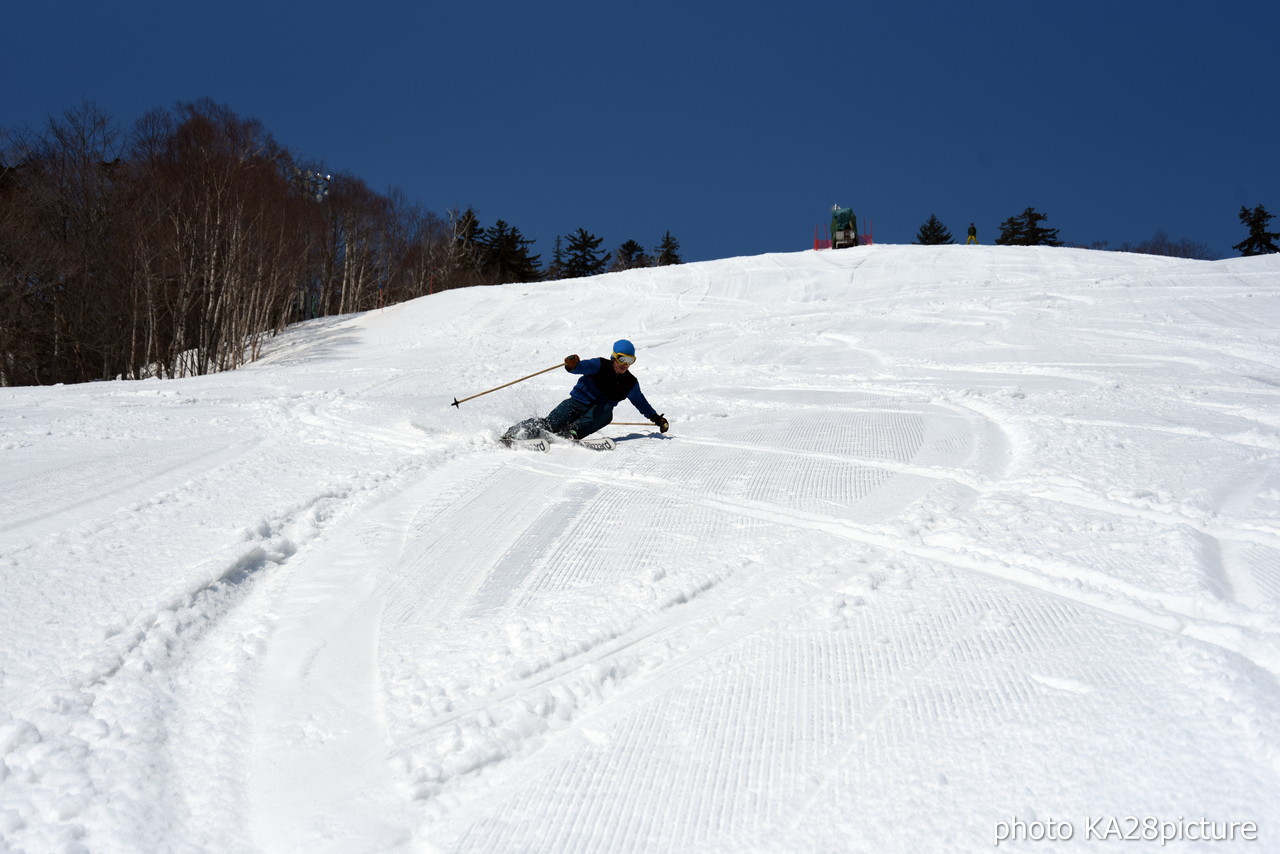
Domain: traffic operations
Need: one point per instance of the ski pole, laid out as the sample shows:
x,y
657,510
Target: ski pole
x,y
504,385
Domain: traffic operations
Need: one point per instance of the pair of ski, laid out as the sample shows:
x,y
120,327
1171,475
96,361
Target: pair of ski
x,y
542,443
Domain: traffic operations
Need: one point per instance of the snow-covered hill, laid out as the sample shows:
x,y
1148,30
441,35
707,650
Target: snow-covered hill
x,y
945,544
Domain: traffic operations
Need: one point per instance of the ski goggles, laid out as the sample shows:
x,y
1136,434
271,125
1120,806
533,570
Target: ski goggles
x,y
624,358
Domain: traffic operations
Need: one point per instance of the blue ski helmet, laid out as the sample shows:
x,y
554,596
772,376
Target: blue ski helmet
x,y
624,346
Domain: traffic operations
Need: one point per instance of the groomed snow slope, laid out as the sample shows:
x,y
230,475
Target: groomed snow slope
x,y
942,539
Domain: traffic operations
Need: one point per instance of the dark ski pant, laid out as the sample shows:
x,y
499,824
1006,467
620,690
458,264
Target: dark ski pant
x,y
571,416
580,419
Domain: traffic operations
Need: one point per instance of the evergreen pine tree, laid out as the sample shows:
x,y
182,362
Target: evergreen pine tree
x,y
583,259
629,256
466,255
934,233
669,251
1024,230
506,255
555,270
467,231
1260,241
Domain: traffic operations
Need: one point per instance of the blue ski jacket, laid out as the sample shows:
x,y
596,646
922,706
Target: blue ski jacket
x,y
600,383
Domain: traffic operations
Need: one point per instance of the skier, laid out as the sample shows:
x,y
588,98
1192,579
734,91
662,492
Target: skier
x,y
973,234
605,382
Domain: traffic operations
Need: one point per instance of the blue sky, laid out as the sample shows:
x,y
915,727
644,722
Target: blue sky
x,y
734,125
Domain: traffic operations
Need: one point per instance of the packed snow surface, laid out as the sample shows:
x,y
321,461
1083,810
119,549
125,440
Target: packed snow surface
x,y
944,545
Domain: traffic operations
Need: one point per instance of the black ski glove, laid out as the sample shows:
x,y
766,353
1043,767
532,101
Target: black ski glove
x,y
661,421
570,362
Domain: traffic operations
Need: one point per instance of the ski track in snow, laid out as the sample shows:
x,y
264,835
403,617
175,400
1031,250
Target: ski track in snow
x,y
939,538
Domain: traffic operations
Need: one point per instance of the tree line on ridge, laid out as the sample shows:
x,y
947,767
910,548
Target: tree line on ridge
x,y
179,246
